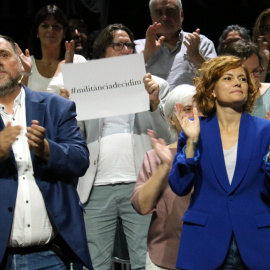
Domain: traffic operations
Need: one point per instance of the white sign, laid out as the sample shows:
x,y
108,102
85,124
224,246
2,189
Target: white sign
x,y
107,87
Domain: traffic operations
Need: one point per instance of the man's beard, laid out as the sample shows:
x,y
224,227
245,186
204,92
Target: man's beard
x,y
10,86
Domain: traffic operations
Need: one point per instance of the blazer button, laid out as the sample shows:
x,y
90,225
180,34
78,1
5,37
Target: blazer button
x,y
10,209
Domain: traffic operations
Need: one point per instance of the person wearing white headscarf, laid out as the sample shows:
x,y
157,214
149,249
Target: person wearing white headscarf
x,y
152,193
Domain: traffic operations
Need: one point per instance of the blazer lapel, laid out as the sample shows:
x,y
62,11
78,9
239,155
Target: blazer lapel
x,y
34,107
245,146
2,126
210,134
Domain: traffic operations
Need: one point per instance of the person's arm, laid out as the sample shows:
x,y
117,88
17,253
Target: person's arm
x,y
154,186
183,172
157,99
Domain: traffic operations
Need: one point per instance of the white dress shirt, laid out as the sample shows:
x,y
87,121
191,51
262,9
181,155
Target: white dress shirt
x,y
31,225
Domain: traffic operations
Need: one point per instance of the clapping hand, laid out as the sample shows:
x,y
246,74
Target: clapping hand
x,y
161,149
36,140
70,50
25,58
7,137
151,43
190,127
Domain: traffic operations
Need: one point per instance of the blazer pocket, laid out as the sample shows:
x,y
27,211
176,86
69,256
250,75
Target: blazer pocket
x,y
263,220
195,217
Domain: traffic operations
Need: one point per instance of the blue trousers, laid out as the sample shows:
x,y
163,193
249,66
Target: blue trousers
x,y
33,261
233,260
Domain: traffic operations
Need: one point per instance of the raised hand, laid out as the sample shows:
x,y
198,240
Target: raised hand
x,y
161,149
7,137
152,88
64,93
151,43
36,140
70,50
190,127
25,58
192,43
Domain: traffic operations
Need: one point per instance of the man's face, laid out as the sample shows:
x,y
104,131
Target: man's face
x,y
10,67
78,33
120,44
167,13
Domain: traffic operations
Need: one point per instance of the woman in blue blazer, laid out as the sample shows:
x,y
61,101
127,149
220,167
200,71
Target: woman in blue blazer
x,y
224,156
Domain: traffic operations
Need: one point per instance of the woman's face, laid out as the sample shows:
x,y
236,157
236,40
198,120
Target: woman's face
x,y
50,32
231,90
266,30
231,37
253,65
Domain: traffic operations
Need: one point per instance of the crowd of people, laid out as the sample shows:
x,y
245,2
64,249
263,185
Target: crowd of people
x,y
188,180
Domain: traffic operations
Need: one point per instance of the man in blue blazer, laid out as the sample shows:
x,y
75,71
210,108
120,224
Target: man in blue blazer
x,y
41,217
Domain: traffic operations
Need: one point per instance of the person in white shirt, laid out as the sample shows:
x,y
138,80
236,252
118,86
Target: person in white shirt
x,y
42,154
117,146
49,47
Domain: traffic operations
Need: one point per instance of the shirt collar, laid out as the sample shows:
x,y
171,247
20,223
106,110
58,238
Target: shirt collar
x,y
17,102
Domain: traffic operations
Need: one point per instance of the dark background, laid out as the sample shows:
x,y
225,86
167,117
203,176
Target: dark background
x,y
211,16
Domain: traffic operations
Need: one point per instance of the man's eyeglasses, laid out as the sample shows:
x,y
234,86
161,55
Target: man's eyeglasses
x,y
258,71
118,46
265,29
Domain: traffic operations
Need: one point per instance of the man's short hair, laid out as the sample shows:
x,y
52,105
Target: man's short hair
x,y
242,49
177,2
10,41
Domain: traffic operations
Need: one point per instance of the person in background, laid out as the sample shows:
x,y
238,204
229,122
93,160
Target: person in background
x,y
42,154
252,59
231,34
169,52
261,36
224,157
79,33
152,193
117,145
49,47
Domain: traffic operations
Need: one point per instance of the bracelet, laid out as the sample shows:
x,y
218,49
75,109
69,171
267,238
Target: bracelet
x,y
268,157
27,73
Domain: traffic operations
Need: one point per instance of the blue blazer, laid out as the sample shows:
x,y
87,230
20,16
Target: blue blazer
x,y
218,209
69,159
